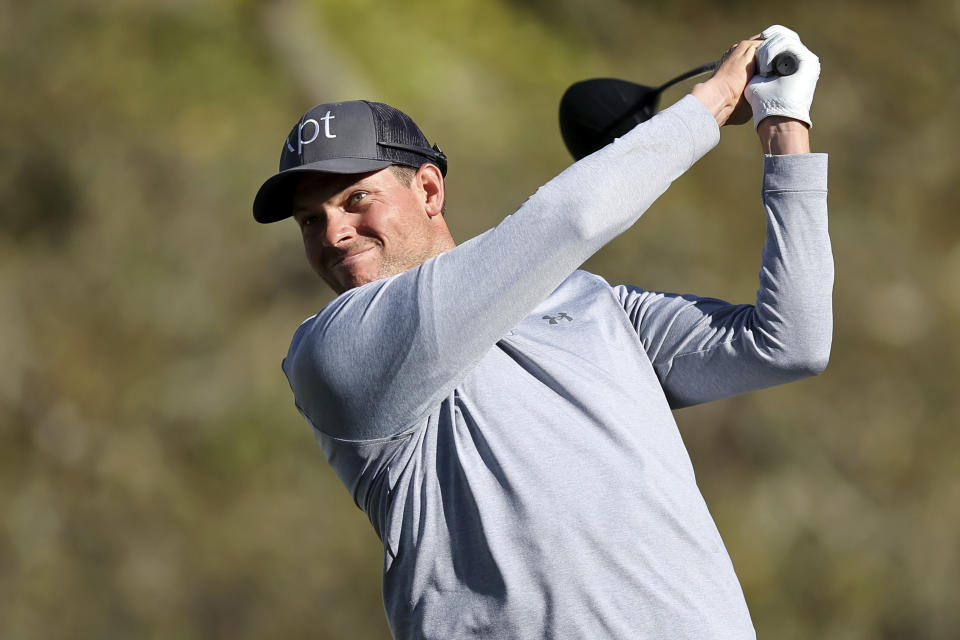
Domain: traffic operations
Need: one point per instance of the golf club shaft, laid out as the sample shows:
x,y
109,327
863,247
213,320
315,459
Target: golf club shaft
x,y
704,68
784,64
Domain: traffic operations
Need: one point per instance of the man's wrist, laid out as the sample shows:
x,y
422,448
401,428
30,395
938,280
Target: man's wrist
x,y
780,135
719,102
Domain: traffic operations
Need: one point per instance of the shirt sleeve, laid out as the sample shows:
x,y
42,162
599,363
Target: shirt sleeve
x,y
703,349
375,361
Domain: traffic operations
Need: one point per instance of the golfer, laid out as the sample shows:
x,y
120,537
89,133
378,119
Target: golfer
x,y
503,418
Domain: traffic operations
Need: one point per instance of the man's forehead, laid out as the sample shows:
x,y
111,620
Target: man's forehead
x,y
326,185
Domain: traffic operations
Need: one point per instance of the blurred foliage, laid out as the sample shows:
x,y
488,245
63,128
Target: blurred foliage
x,y
157,482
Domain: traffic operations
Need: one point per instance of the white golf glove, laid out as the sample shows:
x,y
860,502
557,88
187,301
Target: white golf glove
x,y
773,95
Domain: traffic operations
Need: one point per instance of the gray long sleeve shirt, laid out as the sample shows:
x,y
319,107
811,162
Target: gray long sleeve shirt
x,y
505,420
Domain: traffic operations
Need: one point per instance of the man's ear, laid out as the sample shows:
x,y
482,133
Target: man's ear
x,y
429,180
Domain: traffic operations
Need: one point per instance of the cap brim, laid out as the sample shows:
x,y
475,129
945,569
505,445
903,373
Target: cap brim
x,y
274,200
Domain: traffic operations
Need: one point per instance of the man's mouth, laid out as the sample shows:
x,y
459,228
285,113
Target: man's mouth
x,y
348,258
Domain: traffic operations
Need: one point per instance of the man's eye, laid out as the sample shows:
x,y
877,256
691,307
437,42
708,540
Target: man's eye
x,y
309,220
355,198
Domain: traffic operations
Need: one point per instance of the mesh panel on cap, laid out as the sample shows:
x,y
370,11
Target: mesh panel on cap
x,y
394,126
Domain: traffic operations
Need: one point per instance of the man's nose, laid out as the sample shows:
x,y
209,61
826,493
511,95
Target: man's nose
x,y
339,228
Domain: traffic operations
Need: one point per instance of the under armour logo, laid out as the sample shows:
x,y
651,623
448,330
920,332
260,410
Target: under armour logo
x,y
554,319
314,133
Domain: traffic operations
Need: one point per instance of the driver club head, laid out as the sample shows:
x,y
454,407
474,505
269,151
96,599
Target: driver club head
x,y
594,112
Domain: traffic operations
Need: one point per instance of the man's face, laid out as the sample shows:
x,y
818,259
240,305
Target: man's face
x,y
358,228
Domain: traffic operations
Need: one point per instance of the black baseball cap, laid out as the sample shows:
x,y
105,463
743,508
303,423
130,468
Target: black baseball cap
x,y
343,137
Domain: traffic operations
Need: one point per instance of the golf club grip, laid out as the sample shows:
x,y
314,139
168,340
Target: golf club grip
x,y
784,64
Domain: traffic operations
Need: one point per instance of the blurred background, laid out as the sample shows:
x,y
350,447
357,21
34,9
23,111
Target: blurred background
x,y
155,478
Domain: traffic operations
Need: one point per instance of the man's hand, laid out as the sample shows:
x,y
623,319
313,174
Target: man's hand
x,y
787,96
723,92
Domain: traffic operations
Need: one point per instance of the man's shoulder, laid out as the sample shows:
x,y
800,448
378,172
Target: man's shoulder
x,y
350,301
581,279
301,330
583,289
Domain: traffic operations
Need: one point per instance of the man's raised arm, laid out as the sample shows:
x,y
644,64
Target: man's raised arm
x,y
704,349
375,361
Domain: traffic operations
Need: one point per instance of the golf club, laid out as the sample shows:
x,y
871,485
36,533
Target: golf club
x,y
594,112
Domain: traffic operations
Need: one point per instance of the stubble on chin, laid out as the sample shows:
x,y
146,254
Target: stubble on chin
x,y
386,267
